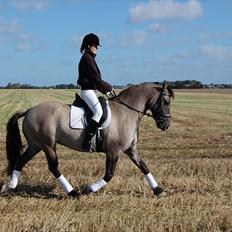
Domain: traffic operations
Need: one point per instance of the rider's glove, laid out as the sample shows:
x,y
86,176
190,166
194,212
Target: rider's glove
x,y
110,93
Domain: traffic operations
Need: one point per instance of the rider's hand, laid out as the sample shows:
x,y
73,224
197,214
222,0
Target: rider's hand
x,y
110,94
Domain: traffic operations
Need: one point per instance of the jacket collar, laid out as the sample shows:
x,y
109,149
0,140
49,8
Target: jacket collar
x,y
89,52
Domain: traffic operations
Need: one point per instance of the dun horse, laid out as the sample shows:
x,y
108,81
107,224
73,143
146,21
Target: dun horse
x,y
47,124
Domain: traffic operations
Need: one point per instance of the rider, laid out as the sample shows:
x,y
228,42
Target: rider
x,y
90,80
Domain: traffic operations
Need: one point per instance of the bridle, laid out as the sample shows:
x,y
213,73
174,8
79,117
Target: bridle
x,y
155,109
158,116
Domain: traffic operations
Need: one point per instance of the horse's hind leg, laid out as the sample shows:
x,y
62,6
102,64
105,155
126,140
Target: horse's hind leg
x,y
29,153
133,153
53,168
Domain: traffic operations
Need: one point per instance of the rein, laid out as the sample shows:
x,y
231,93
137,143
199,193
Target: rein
x,y
115,98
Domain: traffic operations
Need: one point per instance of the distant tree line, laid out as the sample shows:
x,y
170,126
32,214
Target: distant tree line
x,y
193,84
186,84
60,86
27,86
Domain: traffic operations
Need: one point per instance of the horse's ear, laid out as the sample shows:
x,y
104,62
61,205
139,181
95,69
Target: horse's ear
x,y
173,95
165,85
171,92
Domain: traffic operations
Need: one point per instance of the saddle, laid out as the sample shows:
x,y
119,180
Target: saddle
x,y
79,102
82,108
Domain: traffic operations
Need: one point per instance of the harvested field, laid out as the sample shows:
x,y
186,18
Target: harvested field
x,y
192,161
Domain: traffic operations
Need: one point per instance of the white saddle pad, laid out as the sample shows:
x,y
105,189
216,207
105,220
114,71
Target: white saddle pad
x,y
77,118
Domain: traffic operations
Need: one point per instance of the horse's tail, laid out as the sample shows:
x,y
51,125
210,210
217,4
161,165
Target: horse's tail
x,y
13,140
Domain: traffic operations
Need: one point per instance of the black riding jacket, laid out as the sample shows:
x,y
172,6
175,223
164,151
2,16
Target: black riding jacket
x,y
89,74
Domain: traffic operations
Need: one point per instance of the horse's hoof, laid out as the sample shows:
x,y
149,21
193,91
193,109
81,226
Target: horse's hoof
x,y
159,192
4,189
73,194
86,190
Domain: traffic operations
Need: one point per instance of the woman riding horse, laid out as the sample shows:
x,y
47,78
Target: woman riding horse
x,y
47,124
90,80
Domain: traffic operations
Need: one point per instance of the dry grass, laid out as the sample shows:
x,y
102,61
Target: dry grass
x,y
192,161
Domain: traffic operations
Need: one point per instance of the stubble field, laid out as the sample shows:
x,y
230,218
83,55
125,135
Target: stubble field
x,y
192,161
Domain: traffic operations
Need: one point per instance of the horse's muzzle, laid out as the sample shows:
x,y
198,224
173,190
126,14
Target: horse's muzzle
x,y
163,121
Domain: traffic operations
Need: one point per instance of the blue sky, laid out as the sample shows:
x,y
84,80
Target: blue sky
x,y
141,40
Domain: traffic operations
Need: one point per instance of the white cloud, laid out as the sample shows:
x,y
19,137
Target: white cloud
x,y
136,38
168,9
24,43
25,5
23,47
218,52
11,32
9,26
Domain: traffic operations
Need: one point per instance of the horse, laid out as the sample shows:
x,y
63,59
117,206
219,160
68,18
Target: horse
x,y
47,124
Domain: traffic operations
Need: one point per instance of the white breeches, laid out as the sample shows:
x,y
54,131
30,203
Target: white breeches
x,y
90,97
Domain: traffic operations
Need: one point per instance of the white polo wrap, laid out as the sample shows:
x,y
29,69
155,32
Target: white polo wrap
x,y
151,181
97,185
65,184
14,179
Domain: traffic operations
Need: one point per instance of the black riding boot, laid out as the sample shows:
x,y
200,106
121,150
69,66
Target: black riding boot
x,y
89,133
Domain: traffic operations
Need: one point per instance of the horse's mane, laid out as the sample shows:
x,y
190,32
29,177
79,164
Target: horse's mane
x,y
131,93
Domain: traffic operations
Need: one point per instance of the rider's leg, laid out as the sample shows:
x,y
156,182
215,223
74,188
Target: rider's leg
x,y
89,96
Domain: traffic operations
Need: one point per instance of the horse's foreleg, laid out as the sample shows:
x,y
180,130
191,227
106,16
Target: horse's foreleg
x,y
53,168
135,157
111,160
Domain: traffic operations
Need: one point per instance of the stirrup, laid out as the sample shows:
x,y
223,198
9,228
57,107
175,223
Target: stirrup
x,y
87,145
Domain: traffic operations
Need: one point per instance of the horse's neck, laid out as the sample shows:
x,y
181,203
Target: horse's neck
x,y
137,100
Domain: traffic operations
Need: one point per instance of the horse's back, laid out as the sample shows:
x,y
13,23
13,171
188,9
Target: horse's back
x,y
46,111
44,118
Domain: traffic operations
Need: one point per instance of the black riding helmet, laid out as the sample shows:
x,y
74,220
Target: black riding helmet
x,y
90,39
